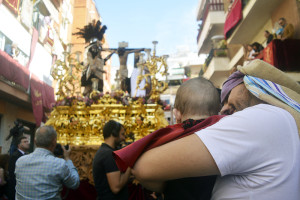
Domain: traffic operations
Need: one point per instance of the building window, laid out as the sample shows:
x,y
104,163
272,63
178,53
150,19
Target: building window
x,y
8,46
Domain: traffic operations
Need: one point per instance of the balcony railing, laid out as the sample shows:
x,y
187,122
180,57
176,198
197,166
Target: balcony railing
x,y
233,16
220,52
212,5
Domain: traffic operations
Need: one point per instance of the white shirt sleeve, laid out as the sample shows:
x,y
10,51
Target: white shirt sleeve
x,y
250,139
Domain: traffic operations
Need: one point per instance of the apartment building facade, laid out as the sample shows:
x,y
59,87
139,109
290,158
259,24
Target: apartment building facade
x,y
254,17
31,36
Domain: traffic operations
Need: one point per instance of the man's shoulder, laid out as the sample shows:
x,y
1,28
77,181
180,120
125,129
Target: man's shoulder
x,y
103,150
17,154
50,159
103,153
262,115
24,158
265,109
290,26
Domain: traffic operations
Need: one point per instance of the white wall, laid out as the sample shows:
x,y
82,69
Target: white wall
x,y
10,26
41,63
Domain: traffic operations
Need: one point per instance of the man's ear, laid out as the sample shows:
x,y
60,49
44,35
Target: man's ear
x,y
53,145
177,115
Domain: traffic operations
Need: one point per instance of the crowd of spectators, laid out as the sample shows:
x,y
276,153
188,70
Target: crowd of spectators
x,y
255,50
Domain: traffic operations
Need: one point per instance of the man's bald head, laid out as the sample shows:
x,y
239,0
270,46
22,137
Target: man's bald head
x,y
197,96
45,137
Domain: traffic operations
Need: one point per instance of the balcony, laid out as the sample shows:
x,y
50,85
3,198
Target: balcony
x,y
217,69
256,13
47,8
213,17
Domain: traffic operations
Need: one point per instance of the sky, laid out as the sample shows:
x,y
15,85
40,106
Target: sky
x,y
170,22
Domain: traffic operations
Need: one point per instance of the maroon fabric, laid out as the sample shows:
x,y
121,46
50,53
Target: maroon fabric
x,y
284,55
36,90
42,98
13,71
48,100
127,156
48,96
291,52
85,191
34,40
138,192
88,191
12,5
233,17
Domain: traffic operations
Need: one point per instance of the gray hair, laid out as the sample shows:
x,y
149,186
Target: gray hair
x,y
44,136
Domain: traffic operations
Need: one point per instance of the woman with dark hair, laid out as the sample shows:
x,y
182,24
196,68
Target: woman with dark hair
x,y
269,36
258,48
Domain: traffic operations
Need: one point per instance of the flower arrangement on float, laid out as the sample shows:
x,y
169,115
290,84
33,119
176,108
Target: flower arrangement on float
x,y
120,99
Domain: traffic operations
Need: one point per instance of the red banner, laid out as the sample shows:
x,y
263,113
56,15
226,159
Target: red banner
x,y
284,55
233,17
48,97
13,71
36,90
13,5
42,99
34,40
268,54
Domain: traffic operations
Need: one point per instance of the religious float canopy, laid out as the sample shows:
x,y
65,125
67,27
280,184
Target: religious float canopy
x,y
79,120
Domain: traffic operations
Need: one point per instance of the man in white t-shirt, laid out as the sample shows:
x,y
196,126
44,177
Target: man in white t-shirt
x,y
255,151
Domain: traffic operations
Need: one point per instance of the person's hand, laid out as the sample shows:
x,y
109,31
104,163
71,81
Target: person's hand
x,y
26,128
135,182
153,195
66,152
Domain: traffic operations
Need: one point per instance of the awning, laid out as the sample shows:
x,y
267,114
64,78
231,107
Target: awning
x,y
233,17
13,71
42,95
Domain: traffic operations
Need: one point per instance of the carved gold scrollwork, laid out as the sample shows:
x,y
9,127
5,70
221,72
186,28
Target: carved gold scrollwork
x,y
79,122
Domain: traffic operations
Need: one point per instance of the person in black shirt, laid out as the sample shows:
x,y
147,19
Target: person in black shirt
x,y
110,183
